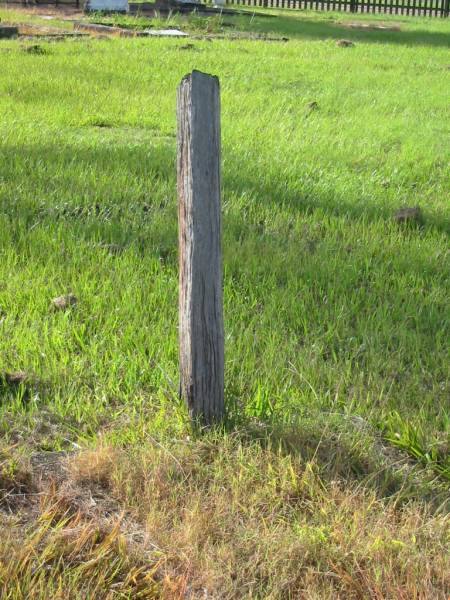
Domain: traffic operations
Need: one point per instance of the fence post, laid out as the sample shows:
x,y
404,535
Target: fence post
x,y
201,336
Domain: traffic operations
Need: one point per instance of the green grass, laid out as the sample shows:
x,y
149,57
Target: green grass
x,y
329,305
332,310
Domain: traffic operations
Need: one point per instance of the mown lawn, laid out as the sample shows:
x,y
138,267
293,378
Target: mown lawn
x,y
332,310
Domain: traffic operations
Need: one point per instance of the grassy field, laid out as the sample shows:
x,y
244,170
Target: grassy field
x,y
331,479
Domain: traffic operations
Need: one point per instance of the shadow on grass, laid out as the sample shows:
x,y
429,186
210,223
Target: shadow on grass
x,y
157,164
241,181
331,27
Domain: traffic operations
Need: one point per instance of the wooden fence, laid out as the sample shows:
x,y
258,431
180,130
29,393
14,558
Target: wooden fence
x,y
415,8
418,8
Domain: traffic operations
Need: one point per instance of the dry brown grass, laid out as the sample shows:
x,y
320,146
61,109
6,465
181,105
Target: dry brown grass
x,y
246,521
70,557
220,518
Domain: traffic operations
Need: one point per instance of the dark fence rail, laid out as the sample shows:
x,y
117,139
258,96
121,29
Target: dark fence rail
x,y
418,8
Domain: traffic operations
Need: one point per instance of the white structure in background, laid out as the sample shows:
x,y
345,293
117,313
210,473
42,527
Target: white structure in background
x,y
107,5
219,2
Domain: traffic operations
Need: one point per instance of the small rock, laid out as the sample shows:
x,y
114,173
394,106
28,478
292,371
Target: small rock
x,y
411,215
34,49
344,43
16,378
189,47
64,302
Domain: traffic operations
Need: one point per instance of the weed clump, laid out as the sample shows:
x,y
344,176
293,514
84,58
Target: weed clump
x,y
410,217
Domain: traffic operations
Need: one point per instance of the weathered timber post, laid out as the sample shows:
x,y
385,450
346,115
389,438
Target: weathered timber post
x,y
201,336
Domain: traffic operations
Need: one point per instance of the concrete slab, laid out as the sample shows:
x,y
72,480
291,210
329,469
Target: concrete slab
x,y
165,33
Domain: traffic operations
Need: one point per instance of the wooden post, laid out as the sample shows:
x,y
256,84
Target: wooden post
x,y
201,337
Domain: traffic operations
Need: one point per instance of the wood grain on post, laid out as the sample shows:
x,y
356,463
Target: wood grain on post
x,y
201,336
